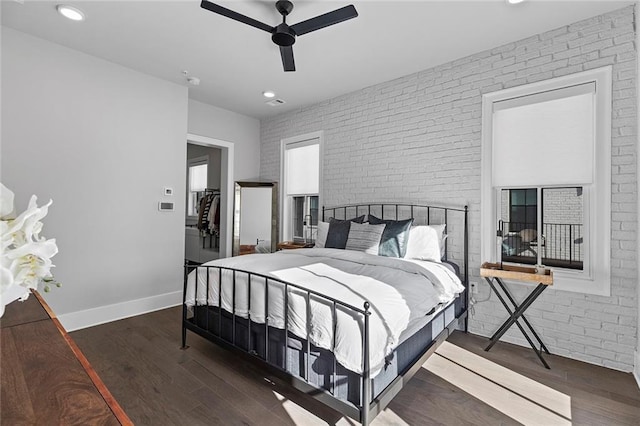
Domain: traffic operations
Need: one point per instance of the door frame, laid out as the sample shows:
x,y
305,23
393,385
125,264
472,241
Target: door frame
x,y
226,186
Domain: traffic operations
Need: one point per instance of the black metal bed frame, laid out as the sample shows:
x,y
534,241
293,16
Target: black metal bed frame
x,y
369,406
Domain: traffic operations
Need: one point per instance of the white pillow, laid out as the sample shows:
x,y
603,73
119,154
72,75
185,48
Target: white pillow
x,y
442,237
424,244
321,237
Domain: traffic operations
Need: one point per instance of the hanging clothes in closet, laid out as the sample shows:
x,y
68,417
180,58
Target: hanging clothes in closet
x,y
209,216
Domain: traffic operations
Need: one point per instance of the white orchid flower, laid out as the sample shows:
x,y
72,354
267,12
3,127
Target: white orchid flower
x,y
25,257
32,261
6,278
6,202
5,236
28,222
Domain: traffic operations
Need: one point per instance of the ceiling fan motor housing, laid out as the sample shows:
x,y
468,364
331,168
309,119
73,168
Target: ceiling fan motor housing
x,y
283,35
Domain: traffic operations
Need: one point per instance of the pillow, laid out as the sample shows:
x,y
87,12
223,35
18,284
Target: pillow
x,y
442,237
395,236
528,235
365,237
337,234
321,236
424,244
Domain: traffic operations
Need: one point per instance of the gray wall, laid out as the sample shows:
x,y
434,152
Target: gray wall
x,y
102,141
228,126
417,138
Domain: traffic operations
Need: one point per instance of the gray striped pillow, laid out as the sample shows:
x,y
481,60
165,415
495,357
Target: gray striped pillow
x,y
365,237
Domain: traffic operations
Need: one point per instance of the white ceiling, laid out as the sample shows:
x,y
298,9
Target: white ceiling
x,y
236,63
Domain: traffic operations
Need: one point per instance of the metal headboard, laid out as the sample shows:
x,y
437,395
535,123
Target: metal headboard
x,y
422,215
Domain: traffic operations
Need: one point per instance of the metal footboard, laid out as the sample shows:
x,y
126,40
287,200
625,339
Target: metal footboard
x,y
205,328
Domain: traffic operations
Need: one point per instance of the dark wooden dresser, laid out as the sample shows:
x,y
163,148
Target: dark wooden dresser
x,y
44,377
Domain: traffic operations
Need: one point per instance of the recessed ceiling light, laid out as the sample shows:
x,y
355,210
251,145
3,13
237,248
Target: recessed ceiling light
x,y
515,1
70,12
268,94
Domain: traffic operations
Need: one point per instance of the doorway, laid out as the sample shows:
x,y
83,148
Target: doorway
x,y
209,172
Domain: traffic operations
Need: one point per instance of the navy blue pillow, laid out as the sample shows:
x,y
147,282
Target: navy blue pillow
x,y
395,237
338,233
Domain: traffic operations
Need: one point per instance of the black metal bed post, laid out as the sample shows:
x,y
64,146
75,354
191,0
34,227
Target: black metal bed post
x,y
308,329
233,311
334,328
366,373
446,223
266,319
249,313
206,300
466,265
184,305
286,327
219,299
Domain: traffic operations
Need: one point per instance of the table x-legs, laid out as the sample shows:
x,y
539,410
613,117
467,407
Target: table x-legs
x,y
516,314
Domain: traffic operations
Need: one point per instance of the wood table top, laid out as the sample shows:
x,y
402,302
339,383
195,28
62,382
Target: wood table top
x,y
45,378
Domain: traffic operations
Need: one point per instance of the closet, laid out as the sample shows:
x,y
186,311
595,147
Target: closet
x,y
202,216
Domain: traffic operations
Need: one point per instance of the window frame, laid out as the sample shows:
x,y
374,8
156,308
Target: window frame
x,y
597,202
286,200
192,162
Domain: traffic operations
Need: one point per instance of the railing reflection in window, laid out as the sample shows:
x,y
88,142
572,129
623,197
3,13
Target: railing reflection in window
x,y
561,244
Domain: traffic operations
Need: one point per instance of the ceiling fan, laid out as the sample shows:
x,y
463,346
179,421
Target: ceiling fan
x,y
284,35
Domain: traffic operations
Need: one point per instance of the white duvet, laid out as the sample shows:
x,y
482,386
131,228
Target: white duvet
x,y
398,291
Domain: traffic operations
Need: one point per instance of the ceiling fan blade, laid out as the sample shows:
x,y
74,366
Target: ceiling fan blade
x,y
286,52
235,16
325,20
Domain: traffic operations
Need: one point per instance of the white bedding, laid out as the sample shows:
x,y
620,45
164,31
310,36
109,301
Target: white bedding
x,y
398,290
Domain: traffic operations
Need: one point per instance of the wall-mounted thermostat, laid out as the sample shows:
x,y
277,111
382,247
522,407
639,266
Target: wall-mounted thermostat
x,y
168,191
164,206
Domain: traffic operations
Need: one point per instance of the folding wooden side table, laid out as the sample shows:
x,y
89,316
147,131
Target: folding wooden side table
x,y
496,272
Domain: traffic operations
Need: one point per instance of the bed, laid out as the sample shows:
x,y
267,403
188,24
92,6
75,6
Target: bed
x,y
347,322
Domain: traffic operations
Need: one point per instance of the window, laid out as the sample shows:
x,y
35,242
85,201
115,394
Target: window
x,y
197,183
546,178
523,210
557,242
305,217
301,187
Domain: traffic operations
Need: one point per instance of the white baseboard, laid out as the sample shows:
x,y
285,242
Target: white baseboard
x,y
103,314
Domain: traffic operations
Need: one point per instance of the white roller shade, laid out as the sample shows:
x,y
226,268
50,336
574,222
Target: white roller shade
x,y
198,178
545,139
302,168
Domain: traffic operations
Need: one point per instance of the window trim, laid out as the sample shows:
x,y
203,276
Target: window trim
x,y
598,214
298,141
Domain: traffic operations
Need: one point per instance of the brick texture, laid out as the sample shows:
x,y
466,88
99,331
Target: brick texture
x,y
417,138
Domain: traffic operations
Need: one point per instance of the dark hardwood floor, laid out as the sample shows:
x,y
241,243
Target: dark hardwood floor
x,y
156,383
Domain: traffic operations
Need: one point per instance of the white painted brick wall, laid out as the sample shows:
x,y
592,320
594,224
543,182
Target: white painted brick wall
x,y
417,138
